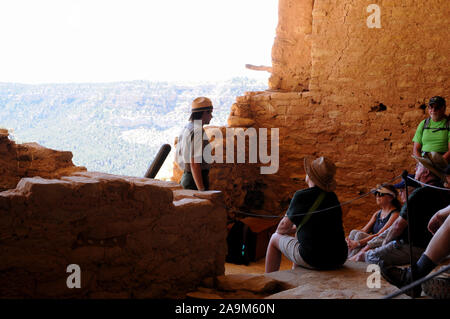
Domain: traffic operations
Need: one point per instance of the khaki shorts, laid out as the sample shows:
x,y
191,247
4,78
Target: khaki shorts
x,y
289,246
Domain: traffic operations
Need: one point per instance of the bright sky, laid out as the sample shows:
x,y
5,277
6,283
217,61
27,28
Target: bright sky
x,y
50,41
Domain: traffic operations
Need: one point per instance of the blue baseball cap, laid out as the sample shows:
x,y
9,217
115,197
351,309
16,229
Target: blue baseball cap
x,y
410,183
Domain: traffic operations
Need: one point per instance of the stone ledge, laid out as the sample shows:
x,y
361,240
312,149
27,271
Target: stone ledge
x,y
349,282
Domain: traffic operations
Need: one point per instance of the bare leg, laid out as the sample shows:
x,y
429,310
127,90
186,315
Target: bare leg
x,y
273,254
439,245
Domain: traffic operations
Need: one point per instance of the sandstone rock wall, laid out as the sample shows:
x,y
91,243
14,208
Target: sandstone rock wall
x,y
31,159
291,51
400,64
369,146
131,237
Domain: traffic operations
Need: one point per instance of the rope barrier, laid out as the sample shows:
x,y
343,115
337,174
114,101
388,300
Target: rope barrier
x,y
321,210
428,185
417,282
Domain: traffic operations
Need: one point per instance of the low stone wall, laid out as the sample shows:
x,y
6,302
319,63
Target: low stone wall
x,y
31,159
131,237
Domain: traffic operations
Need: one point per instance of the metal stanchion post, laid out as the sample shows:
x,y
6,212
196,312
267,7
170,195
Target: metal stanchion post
x,y
410,221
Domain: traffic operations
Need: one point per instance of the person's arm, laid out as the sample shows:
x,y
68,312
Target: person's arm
x,y
388,224
446,156
417,139
370,223
286,226
438,219
352,244
396,230
196,171
417,149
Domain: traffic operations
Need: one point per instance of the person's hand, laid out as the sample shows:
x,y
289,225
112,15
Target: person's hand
x,y
436,221
352,244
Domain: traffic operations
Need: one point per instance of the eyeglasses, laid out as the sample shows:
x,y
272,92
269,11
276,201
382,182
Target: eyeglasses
x,y
435,106
378,194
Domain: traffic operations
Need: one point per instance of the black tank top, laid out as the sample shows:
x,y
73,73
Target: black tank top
x,y
379,223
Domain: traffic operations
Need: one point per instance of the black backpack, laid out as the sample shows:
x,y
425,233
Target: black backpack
x,y
426,125
238,244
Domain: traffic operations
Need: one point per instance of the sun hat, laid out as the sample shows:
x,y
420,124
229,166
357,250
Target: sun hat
x,y
201,104
434,162
321,171
386,189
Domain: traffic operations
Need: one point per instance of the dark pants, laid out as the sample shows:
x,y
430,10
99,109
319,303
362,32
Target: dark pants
x,y
187,180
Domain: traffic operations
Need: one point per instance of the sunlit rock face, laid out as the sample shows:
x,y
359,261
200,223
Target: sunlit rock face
x,y
130,237
31,159
345,89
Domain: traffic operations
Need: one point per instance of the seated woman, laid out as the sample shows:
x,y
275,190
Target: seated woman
x,y
315,217
386,197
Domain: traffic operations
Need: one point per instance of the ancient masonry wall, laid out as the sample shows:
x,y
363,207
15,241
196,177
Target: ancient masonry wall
x,y
131,237
31,159
347,91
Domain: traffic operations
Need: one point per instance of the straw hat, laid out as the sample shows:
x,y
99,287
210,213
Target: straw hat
x,y
321,171
434,162
201,104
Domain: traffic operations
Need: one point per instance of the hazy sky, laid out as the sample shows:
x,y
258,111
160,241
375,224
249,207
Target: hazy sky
x,y
43,41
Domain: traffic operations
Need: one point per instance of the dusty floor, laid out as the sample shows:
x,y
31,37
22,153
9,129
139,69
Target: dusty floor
x,y
254,267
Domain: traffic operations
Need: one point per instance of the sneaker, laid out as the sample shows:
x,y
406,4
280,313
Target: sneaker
x,y
438,287
401,277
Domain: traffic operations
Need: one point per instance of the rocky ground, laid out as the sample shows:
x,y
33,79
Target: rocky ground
x,y
349,282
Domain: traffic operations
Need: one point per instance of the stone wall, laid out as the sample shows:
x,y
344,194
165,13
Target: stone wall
x,y
366,91
131,237
368,147
291,51
400,65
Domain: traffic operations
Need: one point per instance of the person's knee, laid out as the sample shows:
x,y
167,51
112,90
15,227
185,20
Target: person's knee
x,y
274,239
352,234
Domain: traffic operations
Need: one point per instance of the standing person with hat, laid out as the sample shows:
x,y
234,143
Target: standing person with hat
x,y
315,217
190,146
386,198
422,204
433,133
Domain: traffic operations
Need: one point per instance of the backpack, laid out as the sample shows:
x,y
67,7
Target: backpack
x,y
238,244
426,125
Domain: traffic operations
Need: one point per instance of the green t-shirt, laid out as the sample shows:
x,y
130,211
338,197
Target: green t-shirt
x,y
432,141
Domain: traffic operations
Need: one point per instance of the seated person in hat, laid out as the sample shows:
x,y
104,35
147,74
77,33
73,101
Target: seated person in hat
x,y
191,143
315,217
422,204
436,251
433,133
378,240
386,198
